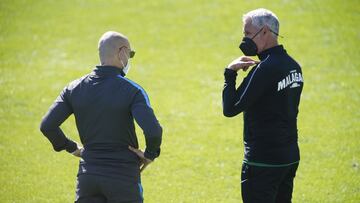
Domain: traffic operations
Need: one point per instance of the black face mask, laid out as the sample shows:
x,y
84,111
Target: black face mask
x,y
248,46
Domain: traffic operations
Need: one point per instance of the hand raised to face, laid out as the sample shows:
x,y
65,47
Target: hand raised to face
x,y
242,62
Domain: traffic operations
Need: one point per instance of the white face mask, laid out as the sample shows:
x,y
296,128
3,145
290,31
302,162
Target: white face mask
x,y
127,67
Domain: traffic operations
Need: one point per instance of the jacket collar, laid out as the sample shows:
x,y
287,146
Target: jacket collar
x,y
272,50
108,71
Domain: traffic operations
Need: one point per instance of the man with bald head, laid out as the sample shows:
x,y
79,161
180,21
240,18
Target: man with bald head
x,y
269,96
105,104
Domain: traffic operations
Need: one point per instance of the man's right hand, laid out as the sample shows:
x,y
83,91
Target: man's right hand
x,y
242,62
144,162
78,151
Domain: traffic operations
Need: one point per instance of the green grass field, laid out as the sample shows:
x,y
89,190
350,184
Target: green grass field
x,y
182,47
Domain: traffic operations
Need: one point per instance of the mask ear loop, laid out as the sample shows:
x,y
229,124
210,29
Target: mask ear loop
x,y
121,60
257,33
277,34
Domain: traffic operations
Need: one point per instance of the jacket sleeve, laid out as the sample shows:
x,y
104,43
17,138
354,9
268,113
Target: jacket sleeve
x,y
59,111
252,87
146,119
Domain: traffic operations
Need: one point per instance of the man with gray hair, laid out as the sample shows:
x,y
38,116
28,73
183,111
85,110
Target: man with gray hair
x,y
105,104
269,96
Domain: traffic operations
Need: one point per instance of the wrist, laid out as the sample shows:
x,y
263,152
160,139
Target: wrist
x,y
71,146
151,154
229,67
230,72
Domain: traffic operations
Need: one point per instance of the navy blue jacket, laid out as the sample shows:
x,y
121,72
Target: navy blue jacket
x,y
269,96
105,104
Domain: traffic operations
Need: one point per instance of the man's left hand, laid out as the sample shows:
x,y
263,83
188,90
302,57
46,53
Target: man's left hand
x,y
144,162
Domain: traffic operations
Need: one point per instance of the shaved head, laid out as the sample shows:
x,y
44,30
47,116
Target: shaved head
x,y
109,47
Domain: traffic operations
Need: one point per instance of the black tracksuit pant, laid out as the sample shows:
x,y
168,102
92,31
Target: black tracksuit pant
x,y
101,189
267,184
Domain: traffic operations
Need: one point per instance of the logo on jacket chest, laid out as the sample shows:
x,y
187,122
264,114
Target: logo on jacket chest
x,y
293,80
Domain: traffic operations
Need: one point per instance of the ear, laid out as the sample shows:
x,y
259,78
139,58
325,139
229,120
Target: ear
x,y
265,30
119,54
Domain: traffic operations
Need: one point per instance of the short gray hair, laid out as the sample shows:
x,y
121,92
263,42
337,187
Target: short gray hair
x,y
109,43
261,17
